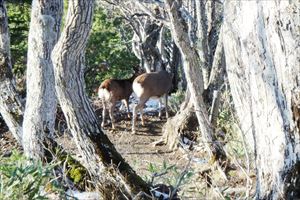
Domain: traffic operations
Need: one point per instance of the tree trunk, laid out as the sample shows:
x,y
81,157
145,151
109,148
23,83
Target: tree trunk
x,y
145,41
191,65
40,110
202,47
216,80
212,25
161,43
175,66
11,107
175,126
261,44
114,177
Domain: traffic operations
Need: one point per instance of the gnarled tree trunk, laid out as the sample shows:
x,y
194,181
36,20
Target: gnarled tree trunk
x,y
11,107
114,177
176,125
261,43
40,110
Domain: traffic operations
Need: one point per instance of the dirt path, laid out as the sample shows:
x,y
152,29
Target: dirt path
x,y
202,180
138,149
146,158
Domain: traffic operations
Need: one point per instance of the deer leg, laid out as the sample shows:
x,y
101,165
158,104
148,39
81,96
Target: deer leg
x,y
127,107
111,114
141,107
134,112
166,105
160,108
103,113
142,115
137,107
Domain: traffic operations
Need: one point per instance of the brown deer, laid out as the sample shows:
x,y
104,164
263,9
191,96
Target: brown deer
x,y
153,84
112,90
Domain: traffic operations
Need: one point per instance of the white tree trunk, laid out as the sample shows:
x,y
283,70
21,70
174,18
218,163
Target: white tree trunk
x,y
114,178
261,43
202,46
40,110
191,65
11,107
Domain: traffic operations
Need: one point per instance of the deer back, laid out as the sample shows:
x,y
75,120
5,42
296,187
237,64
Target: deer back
x,y
152,84
118,89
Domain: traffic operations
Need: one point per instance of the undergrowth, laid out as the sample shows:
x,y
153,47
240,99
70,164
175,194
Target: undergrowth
x,y
228,127
21,178
175,100
167,180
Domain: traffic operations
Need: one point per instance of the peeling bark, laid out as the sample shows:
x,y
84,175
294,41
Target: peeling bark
x,y
40,110
11,107
115,179
261,44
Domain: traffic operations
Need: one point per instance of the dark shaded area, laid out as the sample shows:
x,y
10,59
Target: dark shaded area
x,y
7,141
19,1
292,182
3,127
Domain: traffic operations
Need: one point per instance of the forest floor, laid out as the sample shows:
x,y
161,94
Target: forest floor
x,y
201,180
189,170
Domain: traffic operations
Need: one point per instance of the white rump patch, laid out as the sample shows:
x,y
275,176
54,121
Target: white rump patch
x,y
104,94
137,88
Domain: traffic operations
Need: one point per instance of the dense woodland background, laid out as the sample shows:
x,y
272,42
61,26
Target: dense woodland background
x,y
234,104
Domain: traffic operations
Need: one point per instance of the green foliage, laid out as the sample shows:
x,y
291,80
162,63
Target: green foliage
x,y
227,124
18,22
15,2
73,170
225,119
107,44
76,172
25,179
175,100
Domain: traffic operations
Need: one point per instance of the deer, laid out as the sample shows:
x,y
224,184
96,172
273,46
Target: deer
x,y
111,91
149,85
